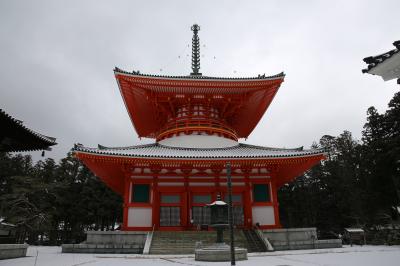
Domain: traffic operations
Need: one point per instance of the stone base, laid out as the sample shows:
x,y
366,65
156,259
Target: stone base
x,y
102,248
316,244
298,238
219,252
115,242
116,237
9,251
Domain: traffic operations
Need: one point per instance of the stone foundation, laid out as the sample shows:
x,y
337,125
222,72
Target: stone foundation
x,y
118,242
102,248
298,238
9,251
219,252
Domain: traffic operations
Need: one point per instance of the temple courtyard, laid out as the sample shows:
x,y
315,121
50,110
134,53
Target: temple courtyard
x,y
356,255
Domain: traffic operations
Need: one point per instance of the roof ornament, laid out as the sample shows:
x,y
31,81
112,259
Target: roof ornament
x,y
195,51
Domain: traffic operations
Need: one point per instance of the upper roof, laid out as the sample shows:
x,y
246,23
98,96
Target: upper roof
x,y
156,150
150,100
258,77
14,136
386,65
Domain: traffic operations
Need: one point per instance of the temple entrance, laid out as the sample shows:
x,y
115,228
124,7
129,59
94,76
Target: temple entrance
x,y
170,216
201,216
170,210
238,215
237,208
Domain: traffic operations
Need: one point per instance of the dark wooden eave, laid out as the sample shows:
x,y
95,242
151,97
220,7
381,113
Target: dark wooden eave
x,y
15,137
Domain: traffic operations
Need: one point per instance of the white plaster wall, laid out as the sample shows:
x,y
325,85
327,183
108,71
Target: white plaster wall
x,y
264,215
140,216
198,141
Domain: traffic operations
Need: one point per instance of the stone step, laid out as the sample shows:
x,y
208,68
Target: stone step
x,y
188,246
194,241
173,248
184,242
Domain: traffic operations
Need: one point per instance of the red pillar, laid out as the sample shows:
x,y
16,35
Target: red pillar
x,y
248,215
127,186
155,203
275,202
185,208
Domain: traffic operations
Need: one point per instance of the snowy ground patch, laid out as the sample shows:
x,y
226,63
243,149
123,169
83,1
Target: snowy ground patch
x,y
347,256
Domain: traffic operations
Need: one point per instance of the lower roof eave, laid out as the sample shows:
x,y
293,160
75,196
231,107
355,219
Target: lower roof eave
x,y
122,157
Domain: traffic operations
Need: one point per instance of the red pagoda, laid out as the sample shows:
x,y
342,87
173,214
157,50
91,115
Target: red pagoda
x,y
196,122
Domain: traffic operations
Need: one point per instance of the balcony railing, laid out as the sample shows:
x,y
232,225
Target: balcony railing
x,y
187,125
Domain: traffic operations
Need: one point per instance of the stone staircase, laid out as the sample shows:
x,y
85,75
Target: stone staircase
x,y
184,242
254,243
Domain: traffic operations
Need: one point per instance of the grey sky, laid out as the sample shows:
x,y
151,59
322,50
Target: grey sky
x,y
57,57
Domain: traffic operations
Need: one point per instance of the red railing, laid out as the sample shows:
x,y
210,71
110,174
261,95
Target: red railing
x,y
188,124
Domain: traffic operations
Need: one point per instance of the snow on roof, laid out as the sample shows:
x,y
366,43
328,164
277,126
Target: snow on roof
x,y
156,150
3,224
218,202
375,63
137,73
354,230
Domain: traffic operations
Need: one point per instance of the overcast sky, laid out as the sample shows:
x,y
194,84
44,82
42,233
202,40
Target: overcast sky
x,y
57,60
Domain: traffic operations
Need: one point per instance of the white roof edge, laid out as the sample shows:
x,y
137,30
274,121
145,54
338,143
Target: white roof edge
x,y
272,77
203,158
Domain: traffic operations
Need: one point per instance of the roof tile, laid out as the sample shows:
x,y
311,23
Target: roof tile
x,y
156,150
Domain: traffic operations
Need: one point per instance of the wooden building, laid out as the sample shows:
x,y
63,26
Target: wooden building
x,y
196,122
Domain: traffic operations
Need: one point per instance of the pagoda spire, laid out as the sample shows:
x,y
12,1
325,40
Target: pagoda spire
x,y
195,50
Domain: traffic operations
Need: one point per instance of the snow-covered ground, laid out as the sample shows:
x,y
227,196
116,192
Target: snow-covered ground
x,y
366,256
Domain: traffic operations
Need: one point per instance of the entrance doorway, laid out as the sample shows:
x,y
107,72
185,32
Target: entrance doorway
x,y
238,215
237,208
201,215
170,216
170,209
